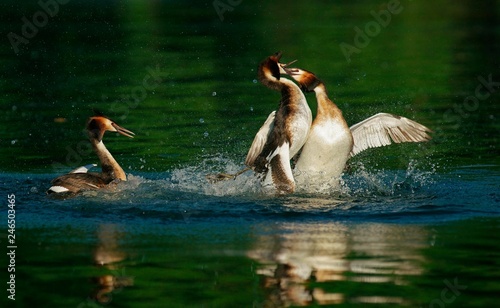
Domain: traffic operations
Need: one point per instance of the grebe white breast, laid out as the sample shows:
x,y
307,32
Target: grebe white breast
x,y
331,142
283,133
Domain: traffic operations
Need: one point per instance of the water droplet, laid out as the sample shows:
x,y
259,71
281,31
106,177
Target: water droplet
x,y
214,93
251,108
13,141
205,134
255,81
202,120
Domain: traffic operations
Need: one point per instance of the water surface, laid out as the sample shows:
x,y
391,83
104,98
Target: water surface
x,y
413,225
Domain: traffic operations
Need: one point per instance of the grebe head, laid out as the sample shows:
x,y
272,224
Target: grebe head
x,y
307,80
271,68
98,124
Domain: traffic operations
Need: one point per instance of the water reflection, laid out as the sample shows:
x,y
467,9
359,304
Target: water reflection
x,y
333,263
109,256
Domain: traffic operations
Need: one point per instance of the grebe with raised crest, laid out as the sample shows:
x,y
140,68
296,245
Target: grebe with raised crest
x,y
331,142
284,132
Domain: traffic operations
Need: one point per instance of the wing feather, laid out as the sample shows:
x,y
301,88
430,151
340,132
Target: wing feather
x,y
280,171
383,128
76,182
83,169
260,140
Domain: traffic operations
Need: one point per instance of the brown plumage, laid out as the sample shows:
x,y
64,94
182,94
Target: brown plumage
x,y
79,179
283,133
332,142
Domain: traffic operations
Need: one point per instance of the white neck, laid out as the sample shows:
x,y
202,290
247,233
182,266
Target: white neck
x,y
108,164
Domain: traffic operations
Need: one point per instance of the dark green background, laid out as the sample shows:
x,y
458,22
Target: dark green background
x,y
429,213
92,54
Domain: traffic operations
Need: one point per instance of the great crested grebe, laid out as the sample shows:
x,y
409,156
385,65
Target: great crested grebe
x,y
79,179
284,132
331,142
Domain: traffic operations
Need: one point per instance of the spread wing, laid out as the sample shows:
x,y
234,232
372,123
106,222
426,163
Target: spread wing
x,y
260,140
380,129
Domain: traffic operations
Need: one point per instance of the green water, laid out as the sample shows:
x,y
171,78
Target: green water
x,y
412,267
412,221
423,65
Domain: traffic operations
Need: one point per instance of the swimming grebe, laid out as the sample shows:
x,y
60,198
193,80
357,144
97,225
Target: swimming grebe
x,y
79,179
331,142
284,132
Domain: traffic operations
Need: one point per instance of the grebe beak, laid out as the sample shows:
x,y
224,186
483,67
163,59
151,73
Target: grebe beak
x,y
284,68
123,131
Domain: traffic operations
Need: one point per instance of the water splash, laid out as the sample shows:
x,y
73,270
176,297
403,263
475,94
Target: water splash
x,y
365,181
194,178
